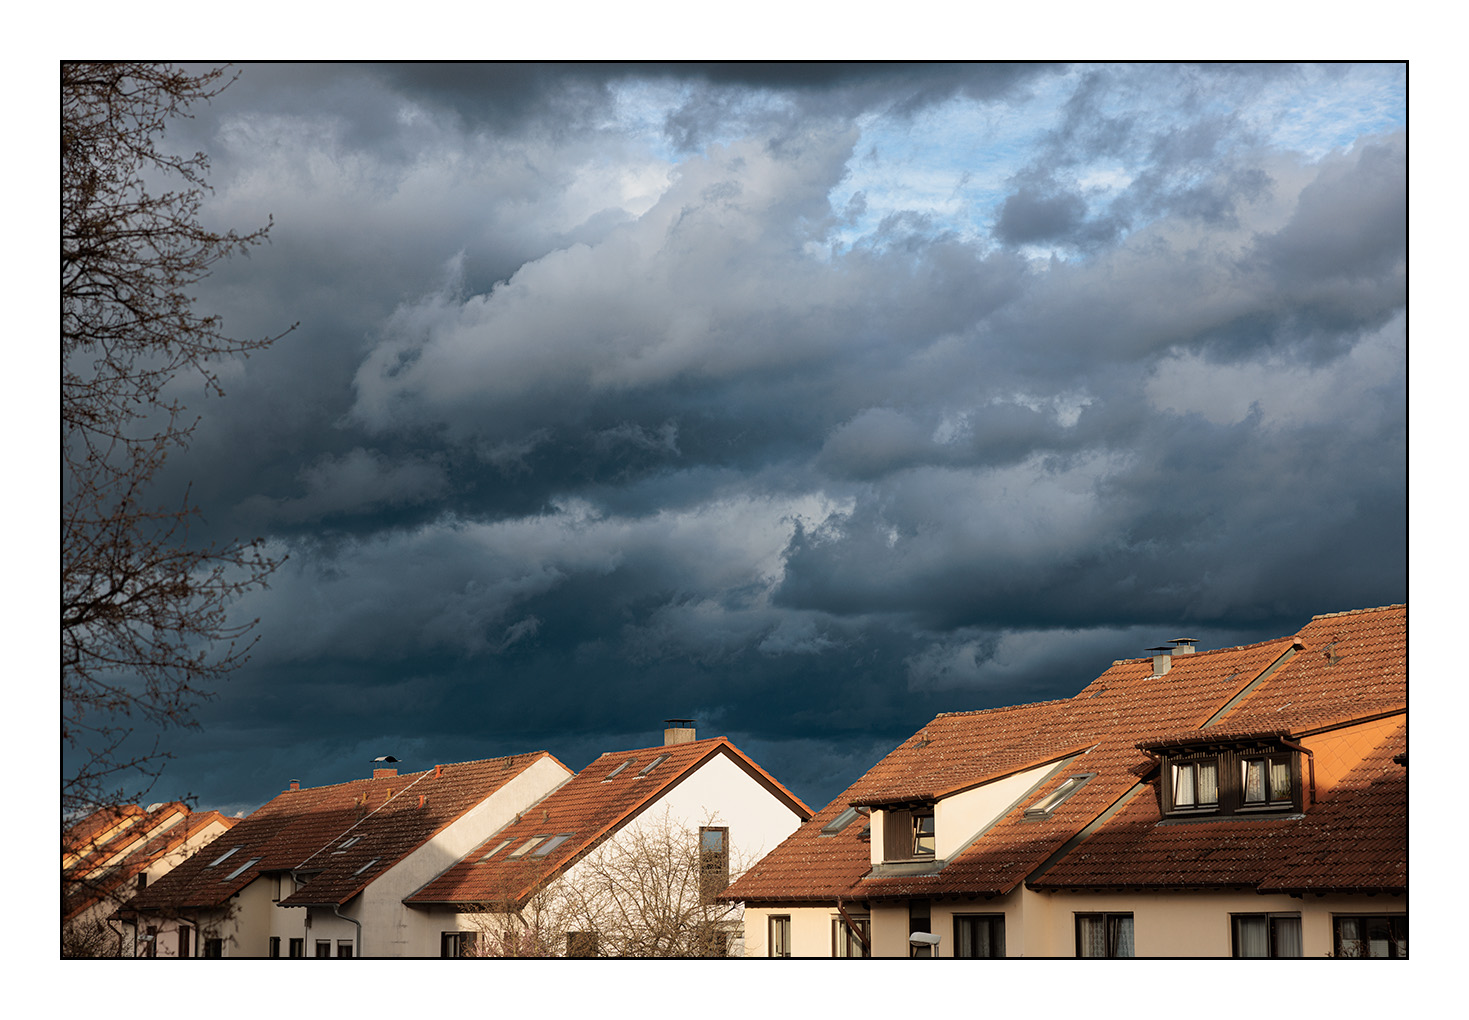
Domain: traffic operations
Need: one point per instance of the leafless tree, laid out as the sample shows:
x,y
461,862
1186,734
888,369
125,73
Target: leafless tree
x,y
647,892
145,630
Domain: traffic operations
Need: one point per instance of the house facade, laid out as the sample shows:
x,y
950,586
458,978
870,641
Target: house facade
x,y
115,852
322,872
626,859
1247,801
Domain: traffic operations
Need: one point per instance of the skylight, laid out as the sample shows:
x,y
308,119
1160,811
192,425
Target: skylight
x,y
840,822
221,858
1055,800
241,869
653,764
526,847
367,865
551,844
503,844
614,772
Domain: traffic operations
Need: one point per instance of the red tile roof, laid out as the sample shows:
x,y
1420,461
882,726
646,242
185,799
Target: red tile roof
x,y
1338,665
149,837
306,830
587,809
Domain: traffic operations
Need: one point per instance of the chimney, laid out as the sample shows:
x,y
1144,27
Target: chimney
x,y
1162,659
678,731
384,773
1183,645
295,784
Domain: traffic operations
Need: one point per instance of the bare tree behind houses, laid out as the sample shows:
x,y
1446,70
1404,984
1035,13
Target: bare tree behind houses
x,y
145,630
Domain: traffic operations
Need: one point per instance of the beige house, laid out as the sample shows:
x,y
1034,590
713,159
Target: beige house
x,y
1247,801
626,859
322,872
110,855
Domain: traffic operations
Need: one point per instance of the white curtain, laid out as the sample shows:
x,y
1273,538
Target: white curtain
x,y
1252,936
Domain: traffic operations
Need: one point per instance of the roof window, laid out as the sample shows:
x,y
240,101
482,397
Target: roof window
x,y
502,845
241,869
653,764
1043,808
349,841
367,865
840,822
527,846
551,844
614,772
221,858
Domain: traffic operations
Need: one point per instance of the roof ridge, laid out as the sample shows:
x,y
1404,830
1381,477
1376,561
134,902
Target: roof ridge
x,y
1354,612
412,775
994,708
1225,648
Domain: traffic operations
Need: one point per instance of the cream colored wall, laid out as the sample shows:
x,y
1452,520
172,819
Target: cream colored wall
x,y
957,819
810,929
391,928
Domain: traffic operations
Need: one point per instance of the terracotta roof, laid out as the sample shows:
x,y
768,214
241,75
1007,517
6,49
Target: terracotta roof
x,y
154,836
1125,707
586,809
308,829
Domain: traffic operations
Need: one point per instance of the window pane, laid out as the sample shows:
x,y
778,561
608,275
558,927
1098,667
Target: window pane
x,y
923,841
1251,936
1209,783
1120,935
1254,782
1091,936
1280,780
1183,786
1287,936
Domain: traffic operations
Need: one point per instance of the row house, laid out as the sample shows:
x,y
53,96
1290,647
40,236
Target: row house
x,y
480,858
1247,801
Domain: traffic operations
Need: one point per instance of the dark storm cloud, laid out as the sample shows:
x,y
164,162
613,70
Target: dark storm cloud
x,y
576,435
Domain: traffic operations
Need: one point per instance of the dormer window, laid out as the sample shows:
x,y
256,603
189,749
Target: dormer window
x,y
1239,780
908,833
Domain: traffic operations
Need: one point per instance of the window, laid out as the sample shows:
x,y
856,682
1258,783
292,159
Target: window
x,y
344,949
221,858
323,949
349,841
1231,780
366,866
1058,796
1266,935
908,833
551,844
1382,935
613,774
920,919
298,949
979,936
213,949
527,846
840,822
779,942
851,940
142,880
501,846
653,764
184,933
241,869
454,945
275,948
1104,935
581,945
713,862
150,942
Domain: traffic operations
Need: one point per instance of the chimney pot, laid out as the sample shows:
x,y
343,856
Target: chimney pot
x,y
295,784
678,731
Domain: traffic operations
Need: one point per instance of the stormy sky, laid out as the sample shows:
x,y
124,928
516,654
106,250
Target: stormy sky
x,y
806,401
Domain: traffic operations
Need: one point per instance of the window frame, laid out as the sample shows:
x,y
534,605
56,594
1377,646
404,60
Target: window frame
x,y
772,923
843,936
1048,804
994,921
713,864
1272,935
213,949
1232,766
344,949
273,947
1111,936
458,944
297,949
1397,935
903,831
323,949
